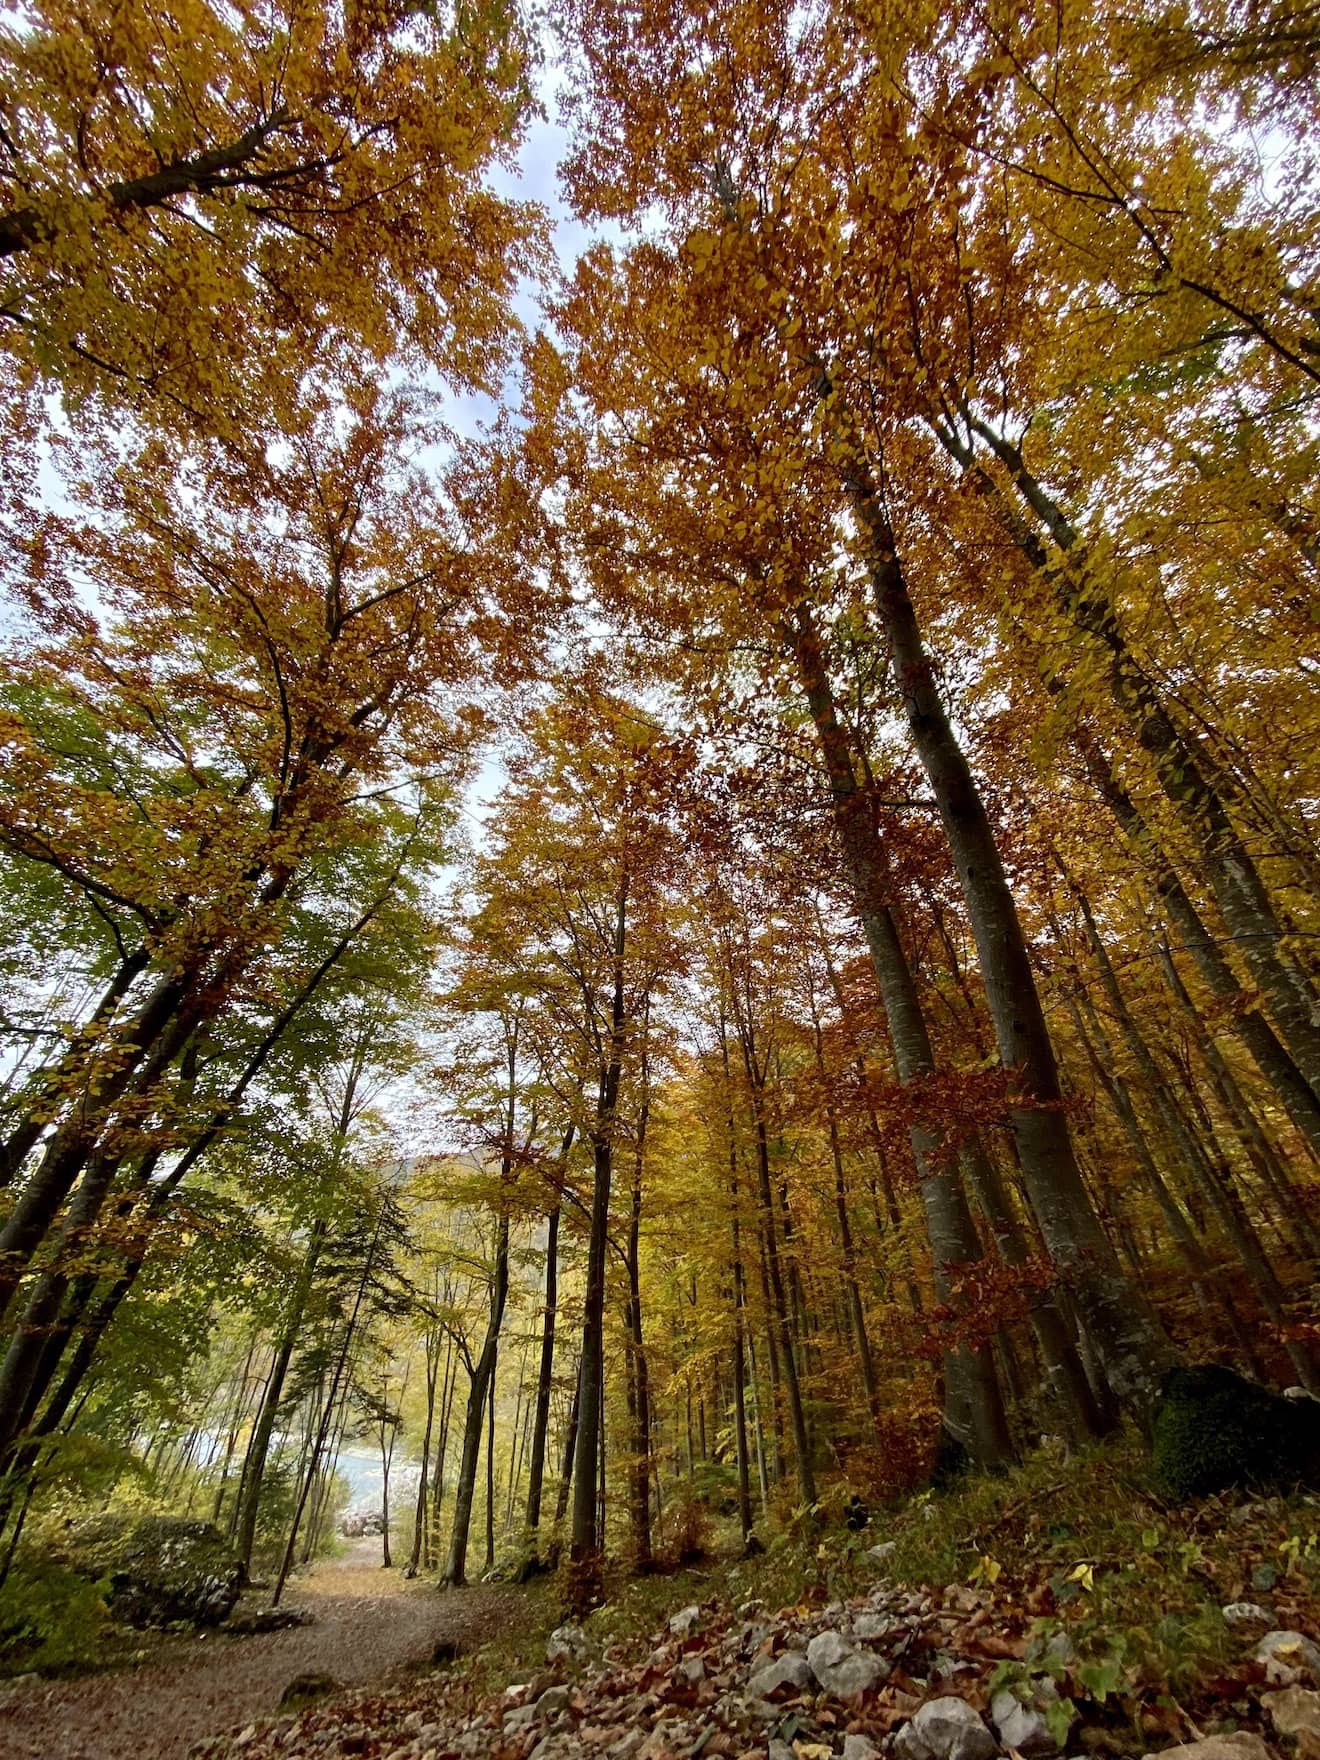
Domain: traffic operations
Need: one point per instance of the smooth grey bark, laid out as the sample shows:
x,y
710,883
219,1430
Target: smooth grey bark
x,y
584,1542
975,1403
481,1375
1125,1335
545,1373
1240,1018
1197,786
258,1451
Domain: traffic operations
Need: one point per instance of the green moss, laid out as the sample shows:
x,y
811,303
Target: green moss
x,y
1216,1431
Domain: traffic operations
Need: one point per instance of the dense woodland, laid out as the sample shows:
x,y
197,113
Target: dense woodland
x,y
742,920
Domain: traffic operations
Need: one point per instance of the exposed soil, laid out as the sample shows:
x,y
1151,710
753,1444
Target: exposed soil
x,y
369,1624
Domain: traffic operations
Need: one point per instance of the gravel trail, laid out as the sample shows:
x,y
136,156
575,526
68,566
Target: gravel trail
x,y
369,1624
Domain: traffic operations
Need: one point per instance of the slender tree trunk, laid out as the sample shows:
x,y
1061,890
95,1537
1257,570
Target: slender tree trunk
x,y
490,1473
739,1310
1237,1230
570,1451
1188,775
432,1347
481,1375
1126,1337
1247,1023
449,1388
233,1424
975,1411
545,1375
639,1500
258,1450
323,1432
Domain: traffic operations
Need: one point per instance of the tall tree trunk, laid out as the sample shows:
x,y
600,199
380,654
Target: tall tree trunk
x,y
570,1450
1125,1335
975,1410
545,1374
341,1363
432,1349
449,1386
258,1450
639,1489
584,1553
481,1375
1237,1230
1198,788
1246,1022
490,1472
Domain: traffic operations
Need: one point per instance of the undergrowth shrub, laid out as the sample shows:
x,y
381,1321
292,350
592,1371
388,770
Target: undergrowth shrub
x,y
51,1619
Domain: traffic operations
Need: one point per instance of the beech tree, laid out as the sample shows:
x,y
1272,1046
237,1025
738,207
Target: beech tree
x,y
194,205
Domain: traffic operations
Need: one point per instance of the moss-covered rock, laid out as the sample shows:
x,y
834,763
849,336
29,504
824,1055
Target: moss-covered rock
x,y
161,1570
1214,1431
307,1689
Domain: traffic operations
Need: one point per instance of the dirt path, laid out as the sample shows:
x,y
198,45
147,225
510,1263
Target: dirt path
x,y
369,1624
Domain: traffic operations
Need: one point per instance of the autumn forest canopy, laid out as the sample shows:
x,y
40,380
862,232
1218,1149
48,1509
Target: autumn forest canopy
x,y
726,936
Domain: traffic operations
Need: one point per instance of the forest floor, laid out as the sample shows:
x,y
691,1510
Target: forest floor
x,y
1063,1608
368,1625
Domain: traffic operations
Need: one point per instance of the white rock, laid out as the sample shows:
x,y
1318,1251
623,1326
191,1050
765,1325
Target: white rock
x,y
521,1717
1246,1613
686,1620
567,1644
553,1700
552,1747
841,1668
945,1729
869,1626
1293,1712
1241,1745
1022,1728
1289,1658
789,1670
692,1669
860,1748
1059,1652
879,1554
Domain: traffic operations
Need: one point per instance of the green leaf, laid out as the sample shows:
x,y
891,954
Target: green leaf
x,y
1060,1715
